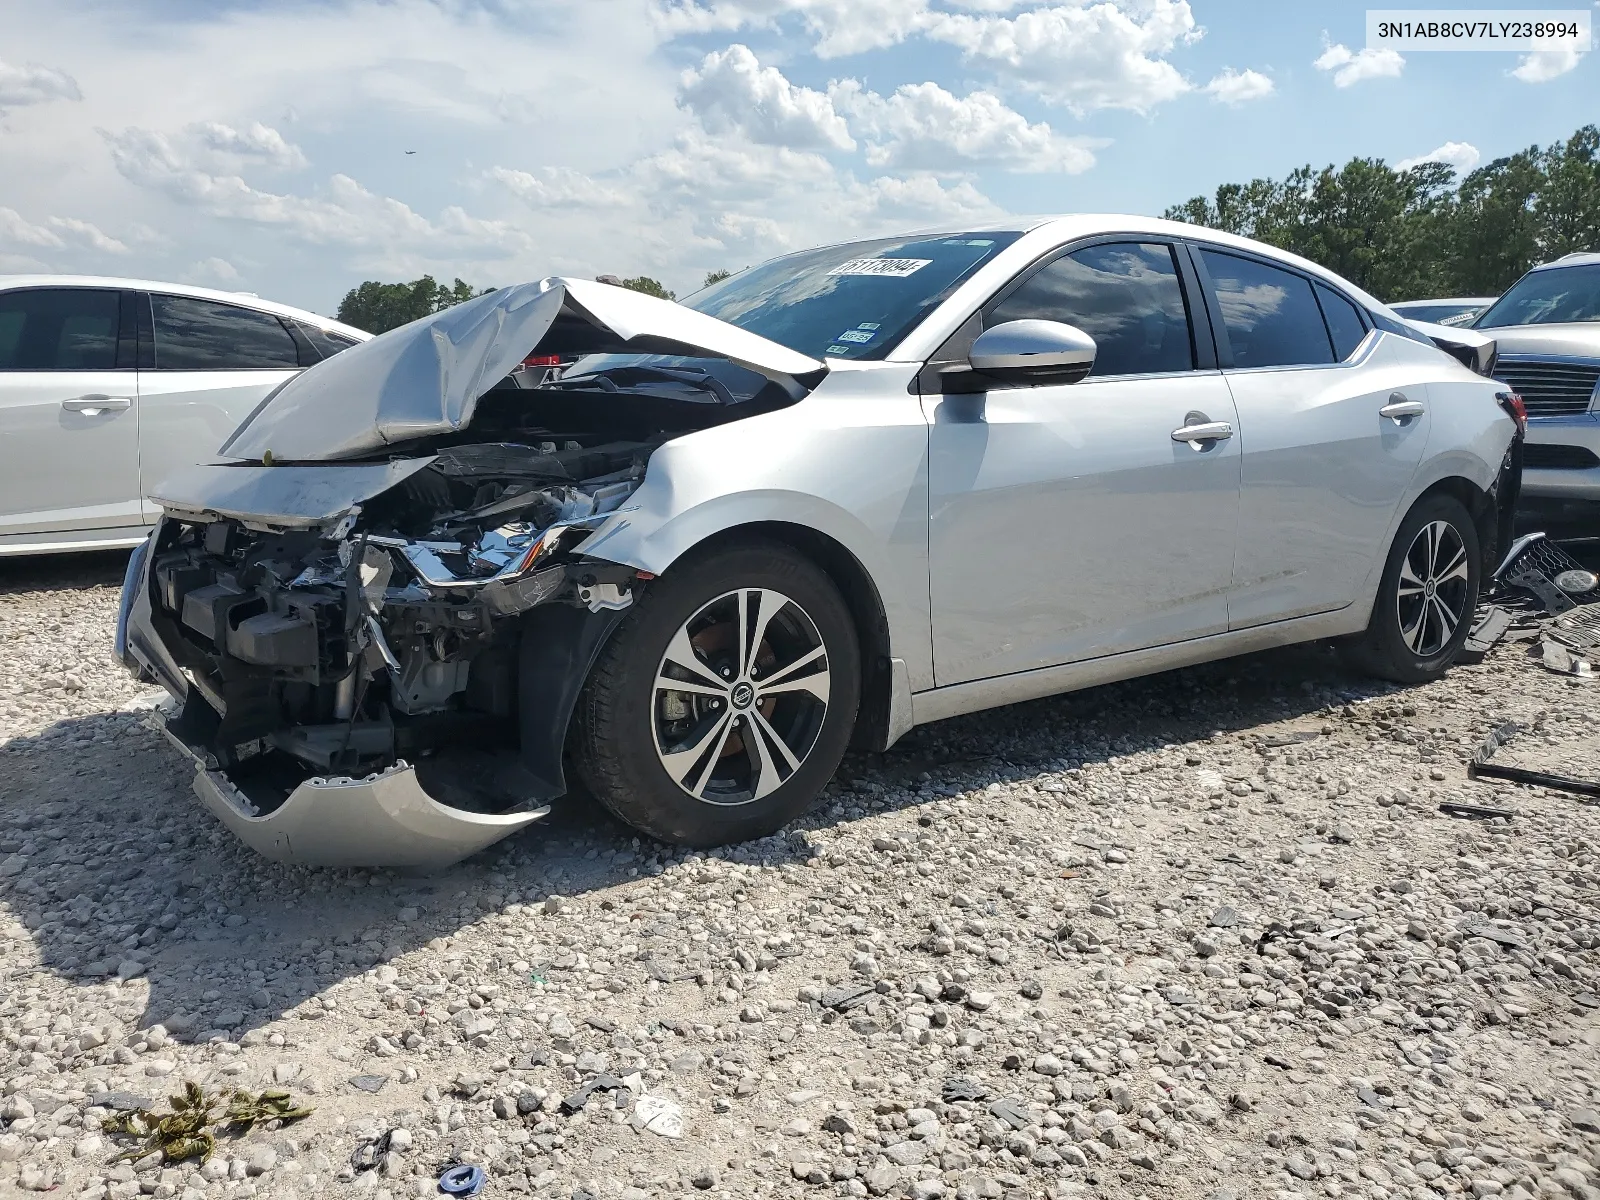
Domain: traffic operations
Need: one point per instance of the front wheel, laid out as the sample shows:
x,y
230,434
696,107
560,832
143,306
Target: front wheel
x,y
724,701
1427,597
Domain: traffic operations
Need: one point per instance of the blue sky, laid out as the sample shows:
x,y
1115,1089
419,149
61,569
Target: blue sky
x,y
262,146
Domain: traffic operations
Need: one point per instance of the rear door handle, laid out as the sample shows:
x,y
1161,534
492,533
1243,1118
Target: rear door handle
x,y
1207,431
93,405
1400,409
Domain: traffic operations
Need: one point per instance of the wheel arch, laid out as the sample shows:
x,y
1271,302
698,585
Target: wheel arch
x,y
876,724
1480,506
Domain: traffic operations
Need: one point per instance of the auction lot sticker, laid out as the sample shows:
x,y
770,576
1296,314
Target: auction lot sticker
x,y
895,268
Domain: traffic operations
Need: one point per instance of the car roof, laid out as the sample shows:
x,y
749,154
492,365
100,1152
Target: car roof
x,y
1580,259
243,299
1064,227
1447,300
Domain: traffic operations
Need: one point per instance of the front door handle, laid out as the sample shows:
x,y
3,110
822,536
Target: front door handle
x,y
1205,431
93,405
1401,410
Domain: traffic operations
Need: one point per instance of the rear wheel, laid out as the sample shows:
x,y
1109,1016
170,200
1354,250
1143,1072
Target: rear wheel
x,y
1427,597
724,701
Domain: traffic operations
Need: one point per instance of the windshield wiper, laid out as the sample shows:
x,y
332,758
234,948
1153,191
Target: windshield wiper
x,y
695,377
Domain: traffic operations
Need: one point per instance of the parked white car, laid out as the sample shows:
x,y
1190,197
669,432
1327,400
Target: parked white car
x,y
107,386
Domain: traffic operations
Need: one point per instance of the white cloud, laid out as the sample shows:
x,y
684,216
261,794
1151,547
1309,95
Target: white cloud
x,y
57,233
1544,65
1463,156
88,234
212,272
345,214
255,143
17,230
33,84
922,127
840,27
1085,56
1353,67
1238,87
556,187
732,92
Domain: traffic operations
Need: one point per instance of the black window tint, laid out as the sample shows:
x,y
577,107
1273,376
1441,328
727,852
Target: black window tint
x,y
1270,315
327,342
1125,295
58,329
207,335
1344,322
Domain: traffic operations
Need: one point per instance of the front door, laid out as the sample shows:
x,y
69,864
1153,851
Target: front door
x,y
1067,521
69,416
1336,418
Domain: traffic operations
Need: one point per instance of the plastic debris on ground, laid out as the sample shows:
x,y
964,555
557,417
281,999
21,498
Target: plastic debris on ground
x,y
658,1115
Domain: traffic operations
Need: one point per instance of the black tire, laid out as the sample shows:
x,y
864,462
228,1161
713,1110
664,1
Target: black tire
x,y
1394,646
627,726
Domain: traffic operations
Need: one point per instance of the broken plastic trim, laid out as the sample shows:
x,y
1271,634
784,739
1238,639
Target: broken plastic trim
x,y
382,820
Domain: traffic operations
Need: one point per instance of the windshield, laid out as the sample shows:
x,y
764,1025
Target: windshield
x,y
855,300
1546,297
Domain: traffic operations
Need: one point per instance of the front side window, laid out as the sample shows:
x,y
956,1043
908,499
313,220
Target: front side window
x,y
1546,297
1270,314
1125,295
207,335
1345,325
854,300
58,329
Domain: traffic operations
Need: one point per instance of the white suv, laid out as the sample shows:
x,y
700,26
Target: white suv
x,y
107,386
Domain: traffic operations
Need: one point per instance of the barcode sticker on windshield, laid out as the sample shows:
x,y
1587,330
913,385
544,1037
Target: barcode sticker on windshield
x,y
895,268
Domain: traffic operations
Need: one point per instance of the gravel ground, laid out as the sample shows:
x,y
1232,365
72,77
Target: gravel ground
x,y
1203,935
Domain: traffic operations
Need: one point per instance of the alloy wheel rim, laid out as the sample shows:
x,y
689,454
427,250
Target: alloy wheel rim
x,y
740,696
1431,599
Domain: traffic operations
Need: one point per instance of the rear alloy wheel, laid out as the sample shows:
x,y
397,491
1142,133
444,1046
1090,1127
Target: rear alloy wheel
x,y
1427,597
724,701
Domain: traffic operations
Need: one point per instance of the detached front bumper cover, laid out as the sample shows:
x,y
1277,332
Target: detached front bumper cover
x,y
382,820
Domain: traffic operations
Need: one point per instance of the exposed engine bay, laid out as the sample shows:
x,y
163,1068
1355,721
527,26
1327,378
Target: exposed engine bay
x,y
394,632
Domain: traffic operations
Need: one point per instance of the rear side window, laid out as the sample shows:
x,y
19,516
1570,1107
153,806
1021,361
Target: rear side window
x,y
326,342
58,329
192,334
1271,315
1345,325
1125,295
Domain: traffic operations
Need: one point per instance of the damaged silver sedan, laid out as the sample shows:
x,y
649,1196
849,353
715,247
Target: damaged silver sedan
x,y
835,496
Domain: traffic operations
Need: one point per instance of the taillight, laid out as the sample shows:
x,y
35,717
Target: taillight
x,y
542,360
1515,409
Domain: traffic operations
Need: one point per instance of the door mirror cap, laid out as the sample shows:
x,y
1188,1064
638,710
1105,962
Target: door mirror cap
x,y
1033,351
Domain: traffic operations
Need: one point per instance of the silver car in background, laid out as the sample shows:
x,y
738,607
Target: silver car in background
x,y
838,495
107,386
1457,310
1547,330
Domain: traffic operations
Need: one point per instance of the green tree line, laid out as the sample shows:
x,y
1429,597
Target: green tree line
x,y
1421,232
379,307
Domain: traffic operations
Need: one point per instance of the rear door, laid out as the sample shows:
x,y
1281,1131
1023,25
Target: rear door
x,y
69,415
211,363
1333,425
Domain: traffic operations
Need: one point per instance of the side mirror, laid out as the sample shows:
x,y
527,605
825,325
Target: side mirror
x,y
1033,352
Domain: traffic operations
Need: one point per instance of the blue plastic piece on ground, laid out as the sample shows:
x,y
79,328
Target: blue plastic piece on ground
x,y
465,1180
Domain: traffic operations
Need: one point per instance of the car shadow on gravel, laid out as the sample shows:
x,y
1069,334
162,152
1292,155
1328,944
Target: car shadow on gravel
x,y
110,865
59,572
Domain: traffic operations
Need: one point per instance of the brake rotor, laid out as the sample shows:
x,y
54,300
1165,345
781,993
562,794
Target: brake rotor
x,y
718,647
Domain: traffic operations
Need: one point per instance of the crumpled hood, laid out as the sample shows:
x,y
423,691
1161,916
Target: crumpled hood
x,y
425,378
